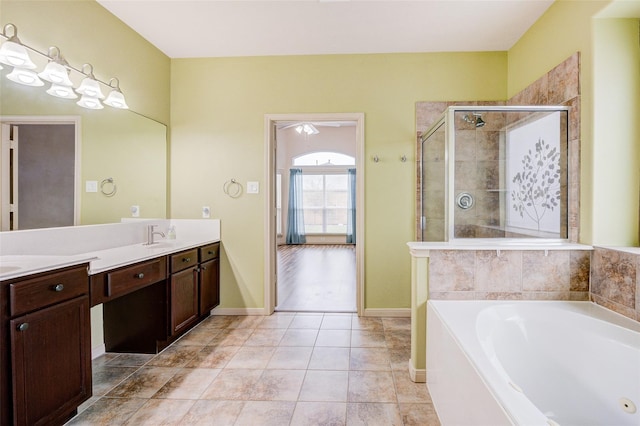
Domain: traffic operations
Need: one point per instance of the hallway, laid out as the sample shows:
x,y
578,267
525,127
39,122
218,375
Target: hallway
x,y
316,278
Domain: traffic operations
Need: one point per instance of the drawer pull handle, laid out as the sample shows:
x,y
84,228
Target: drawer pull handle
x,y
139,275
58,287
204,268
23,326
211,252
186,259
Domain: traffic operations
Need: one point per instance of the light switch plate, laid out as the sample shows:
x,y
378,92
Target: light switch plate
x,y
135,211
206,212
91,186
253,187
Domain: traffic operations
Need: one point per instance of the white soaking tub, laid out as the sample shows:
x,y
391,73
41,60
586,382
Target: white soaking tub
x,y
532,363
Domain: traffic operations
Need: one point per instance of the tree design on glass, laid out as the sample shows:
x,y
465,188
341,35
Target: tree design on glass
x,y
538,184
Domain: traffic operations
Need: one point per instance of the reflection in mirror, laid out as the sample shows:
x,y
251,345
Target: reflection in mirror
x,y
109,143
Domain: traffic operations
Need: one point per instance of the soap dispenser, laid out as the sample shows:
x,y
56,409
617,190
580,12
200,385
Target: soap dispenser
x,y
171,232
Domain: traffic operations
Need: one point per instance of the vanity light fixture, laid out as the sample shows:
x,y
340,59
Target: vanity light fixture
x,y
59,91
25,77
115,98
89,85
90,90
57,72
13,52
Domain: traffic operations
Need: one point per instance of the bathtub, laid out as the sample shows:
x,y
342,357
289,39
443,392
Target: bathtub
x,y
532,363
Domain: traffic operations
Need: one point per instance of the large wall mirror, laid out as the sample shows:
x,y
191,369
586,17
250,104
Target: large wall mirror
x,y
65,165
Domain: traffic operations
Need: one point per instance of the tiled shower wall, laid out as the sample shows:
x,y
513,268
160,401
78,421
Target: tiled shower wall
x,y
560,86
509,274
615,281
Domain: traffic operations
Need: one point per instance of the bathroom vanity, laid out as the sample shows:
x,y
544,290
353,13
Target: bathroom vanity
x,y
150,295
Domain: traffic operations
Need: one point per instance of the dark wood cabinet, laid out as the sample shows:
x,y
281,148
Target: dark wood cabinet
x,y
51,362
183,291
46,347
184,300
209,278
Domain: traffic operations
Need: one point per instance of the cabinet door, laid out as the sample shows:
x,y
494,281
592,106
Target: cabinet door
x,y
51,360
184,299
209,286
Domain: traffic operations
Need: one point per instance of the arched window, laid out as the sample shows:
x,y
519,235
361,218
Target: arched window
x,y
324,158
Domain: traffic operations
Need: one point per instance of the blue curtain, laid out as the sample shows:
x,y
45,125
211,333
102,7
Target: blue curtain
x,y
351,206
295,216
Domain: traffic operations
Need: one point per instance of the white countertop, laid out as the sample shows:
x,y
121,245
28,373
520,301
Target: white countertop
x,y
104,247
15,266
105,260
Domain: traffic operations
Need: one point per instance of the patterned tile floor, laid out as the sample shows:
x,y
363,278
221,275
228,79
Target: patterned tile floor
x,y
285,369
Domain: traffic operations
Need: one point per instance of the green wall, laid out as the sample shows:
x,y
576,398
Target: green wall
x,y
609,101
85,32
616,131
217,133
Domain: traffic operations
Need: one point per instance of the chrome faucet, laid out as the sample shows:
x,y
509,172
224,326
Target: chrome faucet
x,y
151,233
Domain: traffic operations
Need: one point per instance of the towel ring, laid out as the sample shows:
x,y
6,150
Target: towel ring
x,y
232,188
114,188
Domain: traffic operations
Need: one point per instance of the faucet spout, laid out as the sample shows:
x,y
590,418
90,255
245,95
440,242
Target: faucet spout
x,y
151,233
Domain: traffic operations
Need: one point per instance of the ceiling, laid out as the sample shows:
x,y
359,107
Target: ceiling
x,y
213,28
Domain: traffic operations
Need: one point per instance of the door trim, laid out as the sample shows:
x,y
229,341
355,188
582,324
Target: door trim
x,y
270,267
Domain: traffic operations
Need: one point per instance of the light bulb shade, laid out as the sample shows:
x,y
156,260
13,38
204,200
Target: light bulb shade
x,y
59,91
56,73
91,88
16,55
90,102
116,100
25,77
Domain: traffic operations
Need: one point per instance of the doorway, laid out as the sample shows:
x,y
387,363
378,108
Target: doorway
x,y
39,180
326,249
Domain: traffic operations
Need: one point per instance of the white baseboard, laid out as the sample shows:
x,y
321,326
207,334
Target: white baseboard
x,y
388,313
98,351
417,376
238,311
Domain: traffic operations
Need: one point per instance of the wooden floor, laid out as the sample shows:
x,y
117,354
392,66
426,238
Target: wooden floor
x,y
316,278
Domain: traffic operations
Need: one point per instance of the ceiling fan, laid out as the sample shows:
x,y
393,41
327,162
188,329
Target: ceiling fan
x,y
309,127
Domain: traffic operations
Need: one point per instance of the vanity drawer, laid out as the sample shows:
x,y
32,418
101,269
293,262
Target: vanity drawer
x,y
208,252
183,260
48,289
131,278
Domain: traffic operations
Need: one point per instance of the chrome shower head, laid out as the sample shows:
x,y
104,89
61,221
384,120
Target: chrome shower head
x,y
476,120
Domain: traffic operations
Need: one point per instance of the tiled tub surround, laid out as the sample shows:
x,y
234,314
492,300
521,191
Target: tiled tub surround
x,y
492,269
615,280
509,274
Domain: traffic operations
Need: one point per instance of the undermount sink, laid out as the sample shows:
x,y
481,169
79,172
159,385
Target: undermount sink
x,y
161,245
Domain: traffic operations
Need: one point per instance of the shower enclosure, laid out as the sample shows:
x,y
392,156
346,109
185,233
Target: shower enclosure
x,y
495,172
